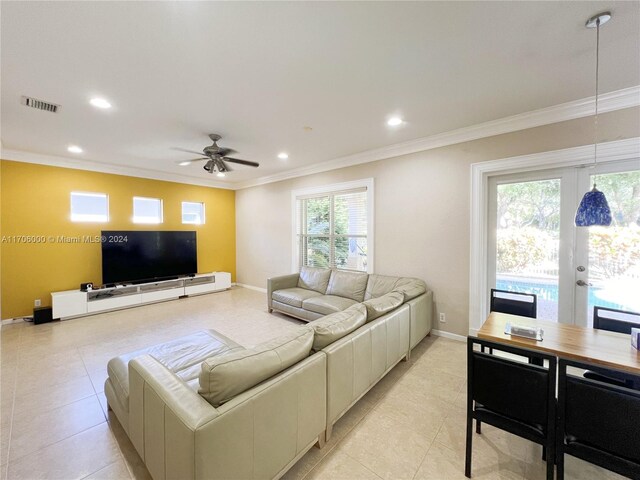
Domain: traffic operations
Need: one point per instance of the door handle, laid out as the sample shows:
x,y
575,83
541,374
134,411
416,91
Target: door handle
x,y
582,283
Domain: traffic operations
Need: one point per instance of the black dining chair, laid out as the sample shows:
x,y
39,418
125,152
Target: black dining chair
x,y
597,422
513,396
514,303
619,321
613,320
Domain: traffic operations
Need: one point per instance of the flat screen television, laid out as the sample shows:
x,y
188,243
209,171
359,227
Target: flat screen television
x,y
138,256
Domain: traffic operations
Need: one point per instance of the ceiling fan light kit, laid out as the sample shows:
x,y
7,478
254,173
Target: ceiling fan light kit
x,y
217,157
594,208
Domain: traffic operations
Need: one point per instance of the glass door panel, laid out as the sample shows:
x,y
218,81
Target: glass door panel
x,y
535,247
613,271
527,241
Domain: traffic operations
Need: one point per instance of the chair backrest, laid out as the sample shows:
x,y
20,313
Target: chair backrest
x,y
615,320
598,415
515,303
514,389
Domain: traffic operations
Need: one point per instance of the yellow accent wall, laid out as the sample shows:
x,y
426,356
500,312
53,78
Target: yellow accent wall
x,y
35,201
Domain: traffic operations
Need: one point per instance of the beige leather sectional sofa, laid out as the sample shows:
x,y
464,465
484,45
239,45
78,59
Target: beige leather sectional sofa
x,y
204,407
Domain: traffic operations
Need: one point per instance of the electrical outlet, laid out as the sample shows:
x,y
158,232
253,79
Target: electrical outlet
x,y
443,319
37,302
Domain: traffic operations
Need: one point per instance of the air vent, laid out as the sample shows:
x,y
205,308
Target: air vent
x,y
40,104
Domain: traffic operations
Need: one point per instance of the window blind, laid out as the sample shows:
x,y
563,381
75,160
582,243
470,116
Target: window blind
x,y
332,230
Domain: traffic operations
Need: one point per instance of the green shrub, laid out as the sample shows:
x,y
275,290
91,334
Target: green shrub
x,y
519,248
613,250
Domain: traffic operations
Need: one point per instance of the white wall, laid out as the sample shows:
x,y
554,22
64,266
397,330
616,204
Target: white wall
x,y
421,209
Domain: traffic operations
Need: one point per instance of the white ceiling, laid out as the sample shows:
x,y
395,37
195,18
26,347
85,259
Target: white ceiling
x,y
257,73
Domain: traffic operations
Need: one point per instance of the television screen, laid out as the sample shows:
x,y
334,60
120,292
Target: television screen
x,y
135,256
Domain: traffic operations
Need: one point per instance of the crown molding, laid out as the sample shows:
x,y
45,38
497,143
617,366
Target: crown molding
x,y
607,102
581,156
81,164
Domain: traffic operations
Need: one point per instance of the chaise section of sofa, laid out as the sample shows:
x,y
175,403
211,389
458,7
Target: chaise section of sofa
x,y
259,433
237,413
182,356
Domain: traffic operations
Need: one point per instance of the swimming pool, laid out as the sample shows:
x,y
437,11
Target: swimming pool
x,y
549,292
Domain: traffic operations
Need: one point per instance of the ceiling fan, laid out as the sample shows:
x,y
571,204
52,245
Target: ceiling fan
x,y
216,157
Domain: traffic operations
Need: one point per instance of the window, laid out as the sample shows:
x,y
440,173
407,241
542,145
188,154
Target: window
x,y
193,213
89,207
334,226
147,210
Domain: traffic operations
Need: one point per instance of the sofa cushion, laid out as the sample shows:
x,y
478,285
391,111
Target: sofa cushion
x,y
335,326
182,356
327,304
314,279
348,284
223,377
376,307
410,287
379,285
293,296
301,313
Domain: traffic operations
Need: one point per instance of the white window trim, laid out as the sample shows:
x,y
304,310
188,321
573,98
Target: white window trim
x,y
83,218
327,189
628,149
204,219
147,222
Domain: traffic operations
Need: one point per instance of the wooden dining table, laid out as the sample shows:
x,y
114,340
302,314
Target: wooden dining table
x,y
600,347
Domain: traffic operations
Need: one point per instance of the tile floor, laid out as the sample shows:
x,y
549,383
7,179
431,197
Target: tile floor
x,y
55,424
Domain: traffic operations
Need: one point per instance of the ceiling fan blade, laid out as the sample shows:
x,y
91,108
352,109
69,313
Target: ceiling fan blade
x,y
241,162
223,152
186,150
189,162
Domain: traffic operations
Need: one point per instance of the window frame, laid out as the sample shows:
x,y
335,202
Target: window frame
x,y
87,194
366,183
204,218
133,204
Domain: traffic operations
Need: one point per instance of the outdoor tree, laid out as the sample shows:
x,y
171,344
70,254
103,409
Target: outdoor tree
x,y
345,222
528,220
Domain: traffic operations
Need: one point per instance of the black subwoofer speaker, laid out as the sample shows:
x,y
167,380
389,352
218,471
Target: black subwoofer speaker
x,y
42,315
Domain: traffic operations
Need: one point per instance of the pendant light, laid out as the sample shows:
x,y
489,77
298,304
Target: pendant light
x,y
594,209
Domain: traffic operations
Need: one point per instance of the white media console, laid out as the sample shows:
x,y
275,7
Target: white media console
x,y
76,303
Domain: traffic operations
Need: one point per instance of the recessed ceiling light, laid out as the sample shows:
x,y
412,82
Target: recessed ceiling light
x,y
184,164
394,121
74,149
99,103
283,155
220,174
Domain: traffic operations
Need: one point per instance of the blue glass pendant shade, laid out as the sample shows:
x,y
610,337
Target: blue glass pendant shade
x,y
593,210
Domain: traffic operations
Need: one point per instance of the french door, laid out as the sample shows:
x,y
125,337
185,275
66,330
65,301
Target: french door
x,y
534,247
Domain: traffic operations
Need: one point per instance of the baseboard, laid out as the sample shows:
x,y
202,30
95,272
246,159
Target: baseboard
x,y
450,336
12,320
251,287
